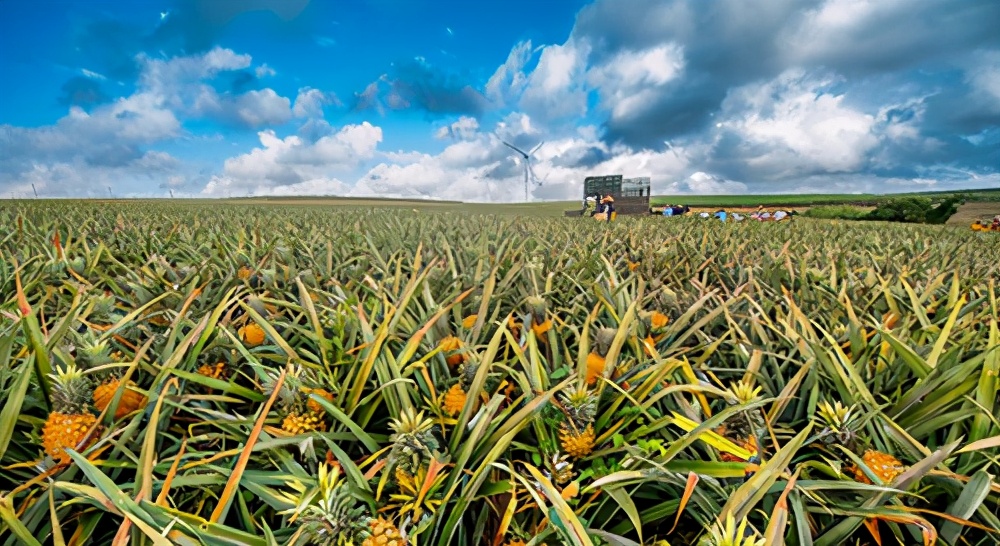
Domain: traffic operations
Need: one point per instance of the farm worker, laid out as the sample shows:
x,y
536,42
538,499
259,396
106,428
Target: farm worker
x,y
780,215
996,222
590,206
609,206
721,215
669,211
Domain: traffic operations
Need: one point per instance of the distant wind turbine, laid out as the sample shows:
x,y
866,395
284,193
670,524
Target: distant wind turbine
x,y
110,193
171,193
34,190
528,173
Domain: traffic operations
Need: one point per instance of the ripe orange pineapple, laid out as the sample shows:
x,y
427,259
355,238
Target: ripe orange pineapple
x,y
597,358
540,323
883,465
130,400
244,272
215,371
71,419
451,347
469,321
251,334
454,400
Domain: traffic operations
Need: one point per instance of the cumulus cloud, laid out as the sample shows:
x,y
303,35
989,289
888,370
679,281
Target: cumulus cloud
x,y
295,165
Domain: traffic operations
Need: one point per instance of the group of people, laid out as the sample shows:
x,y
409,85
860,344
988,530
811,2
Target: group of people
x,y
599,207
985,225
761,215
676,210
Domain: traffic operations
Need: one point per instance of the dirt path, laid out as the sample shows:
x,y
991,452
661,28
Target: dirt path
x,y
970,212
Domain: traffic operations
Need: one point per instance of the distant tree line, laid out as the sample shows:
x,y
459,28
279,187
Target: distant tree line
x,y
914,210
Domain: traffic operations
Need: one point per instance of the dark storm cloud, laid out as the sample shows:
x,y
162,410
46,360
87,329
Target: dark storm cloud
x,y
581,157
81,91
731,43
414,84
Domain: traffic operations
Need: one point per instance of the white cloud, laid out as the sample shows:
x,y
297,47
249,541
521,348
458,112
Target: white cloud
x,y
264,71
309,103
556,89
790,126
630,81
463,129
701,183
293,164
509,80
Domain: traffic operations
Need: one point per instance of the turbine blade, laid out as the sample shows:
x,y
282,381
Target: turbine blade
x,y
535,149
515,148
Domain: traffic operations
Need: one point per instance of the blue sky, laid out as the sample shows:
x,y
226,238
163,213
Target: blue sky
x,y
412,97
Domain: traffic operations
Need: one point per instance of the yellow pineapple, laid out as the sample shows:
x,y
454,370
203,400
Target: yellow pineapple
x,y
728,533
576,433
469,321
71,420
384,533
301,423
131,399
302,414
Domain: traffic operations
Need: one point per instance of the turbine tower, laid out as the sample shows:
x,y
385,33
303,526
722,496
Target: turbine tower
x,y
528,173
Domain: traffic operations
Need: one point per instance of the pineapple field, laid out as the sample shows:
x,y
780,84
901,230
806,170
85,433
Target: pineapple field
x,y
297,375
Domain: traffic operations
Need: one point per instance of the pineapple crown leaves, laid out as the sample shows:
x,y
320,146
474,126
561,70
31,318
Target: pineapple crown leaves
x,y
327,511
73,390
537,307
603,338
742,392
580,407
728,533
413,440
835,416
91,350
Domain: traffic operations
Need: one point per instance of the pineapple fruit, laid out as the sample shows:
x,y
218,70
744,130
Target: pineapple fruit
x,y
71,419
576,433
596,359
131,400
540,323
302,414
413,443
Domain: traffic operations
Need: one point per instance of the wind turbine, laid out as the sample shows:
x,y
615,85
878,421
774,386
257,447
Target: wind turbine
x,y
171,193
527,164
34,190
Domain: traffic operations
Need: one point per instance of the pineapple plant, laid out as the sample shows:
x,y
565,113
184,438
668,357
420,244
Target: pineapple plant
x,y
745,426
540,322
71,419
576,433
596,359
301,414
330,514
413,443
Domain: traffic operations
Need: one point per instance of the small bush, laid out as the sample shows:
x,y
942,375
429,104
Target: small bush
x,y
836,212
